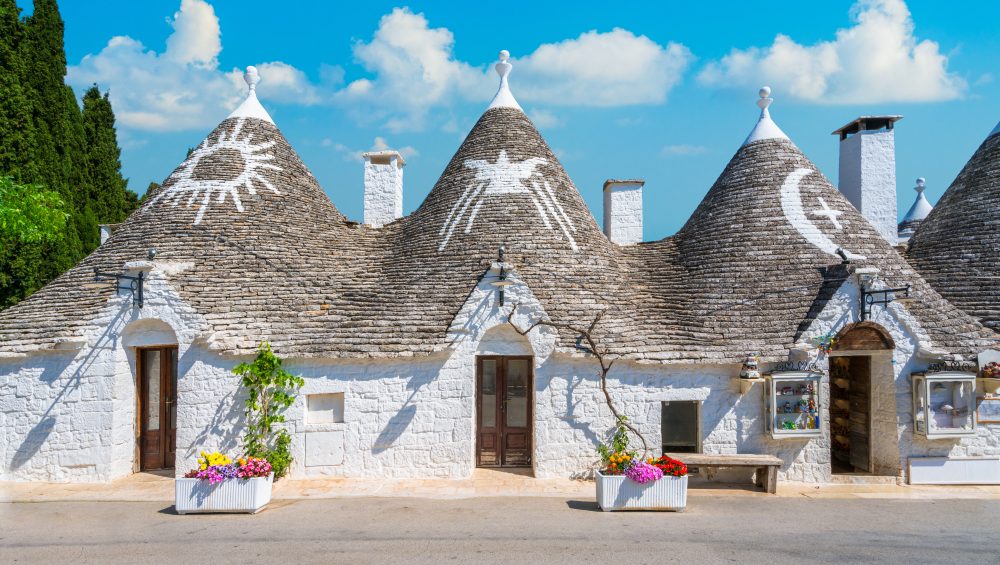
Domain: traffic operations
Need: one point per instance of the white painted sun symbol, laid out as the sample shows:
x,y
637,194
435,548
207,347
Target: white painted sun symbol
x,y
506,177
213,172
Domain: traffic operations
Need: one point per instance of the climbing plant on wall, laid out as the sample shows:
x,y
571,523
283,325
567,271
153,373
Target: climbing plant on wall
x,y
270,391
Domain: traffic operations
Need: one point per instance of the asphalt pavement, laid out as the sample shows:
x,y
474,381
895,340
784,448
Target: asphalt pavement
x,y
507,530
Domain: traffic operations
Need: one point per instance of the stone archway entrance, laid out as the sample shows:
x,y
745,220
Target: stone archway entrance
x,y
858,350
503,408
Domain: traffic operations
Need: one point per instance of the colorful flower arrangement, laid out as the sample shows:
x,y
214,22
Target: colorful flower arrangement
x,y
622,463
991,371
670,466
216,467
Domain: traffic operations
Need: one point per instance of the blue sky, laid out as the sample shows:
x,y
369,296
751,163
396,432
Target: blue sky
x,y
661,91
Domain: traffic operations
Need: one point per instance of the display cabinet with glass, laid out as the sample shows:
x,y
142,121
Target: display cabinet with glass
x,y
944,404
792,404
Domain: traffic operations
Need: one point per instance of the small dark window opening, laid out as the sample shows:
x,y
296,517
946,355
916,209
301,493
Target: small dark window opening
x,y
680,426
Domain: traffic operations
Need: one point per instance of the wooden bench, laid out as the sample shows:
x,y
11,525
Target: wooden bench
x,y
766,466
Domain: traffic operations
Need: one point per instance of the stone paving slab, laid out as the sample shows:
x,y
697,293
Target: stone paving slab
x,y
483,483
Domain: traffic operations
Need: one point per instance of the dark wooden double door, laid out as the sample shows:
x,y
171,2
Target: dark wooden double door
x,y
157,392
503,411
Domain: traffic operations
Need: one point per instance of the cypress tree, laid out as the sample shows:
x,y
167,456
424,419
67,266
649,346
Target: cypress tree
x,y
58,136
110,198
46,141
15,106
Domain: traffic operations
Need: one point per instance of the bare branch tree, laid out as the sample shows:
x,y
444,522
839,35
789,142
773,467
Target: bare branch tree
x,y
602,356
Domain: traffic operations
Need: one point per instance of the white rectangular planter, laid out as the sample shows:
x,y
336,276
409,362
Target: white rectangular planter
x,y
231,495
618,492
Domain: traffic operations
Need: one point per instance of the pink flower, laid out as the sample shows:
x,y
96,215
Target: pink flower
x,y
643,473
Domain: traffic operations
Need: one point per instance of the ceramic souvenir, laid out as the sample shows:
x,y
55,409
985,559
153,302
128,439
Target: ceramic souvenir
x,y
750,369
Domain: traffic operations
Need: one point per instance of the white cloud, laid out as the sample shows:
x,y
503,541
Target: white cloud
x,y
877,60
544,119
183,88
196,37
616,68
683,150
379,144
414,71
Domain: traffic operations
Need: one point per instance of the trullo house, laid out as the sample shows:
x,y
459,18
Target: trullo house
x,y
404,326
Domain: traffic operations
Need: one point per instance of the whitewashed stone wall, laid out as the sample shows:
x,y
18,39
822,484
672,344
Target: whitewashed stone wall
x,y
69,415
868,178
892,435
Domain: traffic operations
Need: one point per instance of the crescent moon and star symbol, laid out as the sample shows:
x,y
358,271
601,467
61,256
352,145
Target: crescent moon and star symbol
x,y
791,205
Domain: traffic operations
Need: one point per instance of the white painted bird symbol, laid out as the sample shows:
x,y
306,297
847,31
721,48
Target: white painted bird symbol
x,y
505,177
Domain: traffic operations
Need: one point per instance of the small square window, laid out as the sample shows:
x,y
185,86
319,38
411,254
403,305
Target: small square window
x,y
325,408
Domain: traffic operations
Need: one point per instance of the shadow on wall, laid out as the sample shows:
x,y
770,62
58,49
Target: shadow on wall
x,y
399,421
225,426
51,373
33,441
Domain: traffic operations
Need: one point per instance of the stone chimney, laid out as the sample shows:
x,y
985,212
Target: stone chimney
x,y
107,230
383,187
868,170
623,210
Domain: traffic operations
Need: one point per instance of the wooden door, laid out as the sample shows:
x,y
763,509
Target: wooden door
x,y
156,387
860,420
503,411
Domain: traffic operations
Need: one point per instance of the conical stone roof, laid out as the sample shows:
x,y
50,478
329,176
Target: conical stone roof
x,y
957,248
505,187
760,258
242,220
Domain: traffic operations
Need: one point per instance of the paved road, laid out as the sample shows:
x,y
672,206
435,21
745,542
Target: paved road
x,y
507,530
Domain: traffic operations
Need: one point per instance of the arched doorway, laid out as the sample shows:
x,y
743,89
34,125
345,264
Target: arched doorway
x,y
860,353
504,399
154,345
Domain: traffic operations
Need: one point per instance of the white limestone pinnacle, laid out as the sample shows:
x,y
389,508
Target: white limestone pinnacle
x,y
251,107
765,128
503,97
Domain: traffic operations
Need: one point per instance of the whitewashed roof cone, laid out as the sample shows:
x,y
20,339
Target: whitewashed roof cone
x,y
504,98
921,207
251,108
765,128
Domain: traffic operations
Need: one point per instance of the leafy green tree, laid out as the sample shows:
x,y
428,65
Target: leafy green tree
x,y
270,391
29,213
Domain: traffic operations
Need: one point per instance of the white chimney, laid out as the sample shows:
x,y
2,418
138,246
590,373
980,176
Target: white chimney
x,y
623,210
868,170
383,187
106,231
